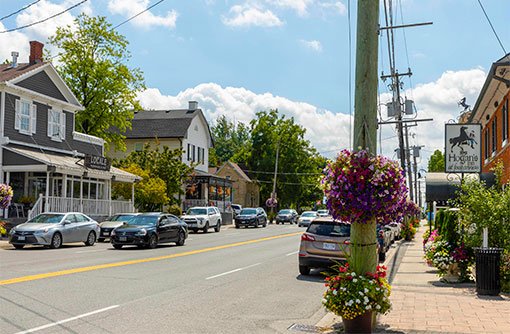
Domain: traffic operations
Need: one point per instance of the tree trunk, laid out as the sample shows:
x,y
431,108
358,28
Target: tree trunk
x,y
363,247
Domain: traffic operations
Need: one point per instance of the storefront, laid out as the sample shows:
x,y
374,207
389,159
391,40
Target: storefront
x,y
205,189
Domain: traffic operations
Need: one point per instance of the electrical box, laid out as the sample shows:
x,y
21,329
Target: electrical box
x,y
416,151
409,107
392,109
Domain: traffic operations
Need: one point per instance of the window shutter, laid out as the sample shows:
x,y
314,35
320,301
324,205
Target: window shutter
x,y
62,125
189,152
50,121
17,114
33,118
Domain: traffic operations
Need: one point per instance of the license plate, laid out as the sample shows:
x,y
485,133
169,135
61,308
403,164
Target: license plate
x,y
328,246
122,238
105,233
21,238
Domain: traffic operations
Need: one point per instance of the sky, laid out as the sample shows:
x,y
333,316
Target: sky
x,y
238,57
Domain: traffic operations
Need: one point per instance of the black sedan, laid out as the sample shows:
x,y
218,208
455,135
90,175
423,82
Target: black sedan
x,y
287,215
150,229
251,217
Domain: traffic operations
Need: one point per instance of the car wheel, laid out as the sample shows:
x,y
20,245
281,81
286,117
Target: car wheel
x,y
257,224
91,239
304,270
382,257
217,227
265,223
18,246
206,227
116,246
56,240
181,239
100,240
153,242
237,226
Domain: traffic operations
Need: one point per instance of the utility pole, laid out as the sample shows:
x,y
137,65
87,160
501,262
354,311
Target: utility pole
x,y
273,194
408,161
363,257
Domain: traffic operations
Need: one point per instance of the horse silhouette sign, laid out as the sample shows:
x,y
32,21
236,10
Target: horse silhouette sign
x,y
463,148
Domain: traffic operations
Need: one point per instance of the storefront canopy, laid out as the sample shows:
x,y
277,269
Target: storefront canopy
x,y
20,159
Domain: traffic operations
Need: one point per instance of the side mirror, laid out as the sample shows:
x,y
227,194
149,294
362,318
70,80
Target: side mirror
x,y
67,221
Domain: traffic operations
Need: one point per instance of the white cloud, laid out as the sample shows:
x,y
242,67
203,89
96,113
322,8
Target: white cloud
x,y
251,15
313,45
329,131
335,7
13,41
129,8
300,6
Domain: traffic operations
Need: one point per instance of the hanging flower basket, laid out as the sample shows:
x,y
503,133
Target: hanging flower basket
x,y
5,195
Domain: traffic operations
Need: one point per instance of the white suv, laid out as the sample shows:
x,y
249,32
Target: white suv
x,y
203,218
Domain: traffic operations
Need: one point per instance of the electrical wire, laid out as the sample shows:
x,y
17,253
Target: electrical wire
x,y
44,20
490,23
136,15
19,10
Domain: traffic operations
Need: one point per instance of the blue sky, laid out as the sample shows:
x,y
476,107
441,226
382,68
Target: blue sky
x,y
237,57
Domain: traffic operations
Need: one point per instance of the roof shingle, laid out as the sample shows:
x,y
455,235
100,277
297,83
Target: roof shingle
x,y
8,73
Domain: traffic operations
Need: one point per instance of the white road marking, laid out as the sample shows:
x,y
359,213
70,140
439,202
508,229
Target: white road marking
x,y
233,271
91,251
35,329
292,253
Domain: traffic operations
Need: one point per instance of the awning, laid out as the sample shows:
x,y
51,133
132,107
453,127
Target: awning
x,y
66,164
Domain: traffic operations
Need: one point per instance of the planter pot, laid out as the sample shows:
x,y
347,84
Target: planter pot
x,y
360,324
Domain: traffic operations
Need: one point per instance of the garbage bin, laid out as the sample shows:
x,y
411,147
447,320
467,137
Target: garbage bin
x,y
487,271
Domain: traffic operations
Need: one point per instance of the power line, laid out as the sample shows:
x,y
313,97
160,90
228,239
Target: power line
x,y
290,183
279,173
44,20
136,15
19,10
490,23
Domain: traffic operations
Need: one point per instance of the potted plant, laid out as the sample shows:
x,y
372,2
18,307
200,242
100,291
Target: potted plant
x,y
354,296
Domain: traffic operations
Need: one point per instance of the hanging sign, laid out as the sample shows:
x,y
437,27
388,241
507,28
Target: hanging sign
x,y
463,148
97,162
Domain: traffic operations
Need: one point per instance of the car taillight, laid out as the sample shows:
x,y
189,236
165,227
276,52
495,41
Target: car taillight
x,y
307,237
347,242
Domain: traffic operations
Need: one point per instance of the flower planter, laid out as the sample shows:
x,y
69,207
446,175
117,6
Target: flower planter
x,y
360,324
452,273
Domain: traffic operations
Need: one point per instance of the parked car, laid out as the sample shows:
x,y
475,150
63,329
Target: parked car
x,y
52,229
306,218
323,213
384,240
397,228
324,242
203,218
287,215
150,229
236,209
251,217
112,222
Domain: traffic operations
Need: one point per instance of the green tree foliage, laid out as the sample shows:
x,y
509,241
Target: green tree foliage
x,y
150,192
162,163
93,65
299,164
231,142
436,162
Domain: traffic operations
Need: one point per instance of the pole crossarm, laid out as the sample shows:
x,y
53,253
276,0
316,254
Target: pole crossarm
x,y
407,25
407,121
383,77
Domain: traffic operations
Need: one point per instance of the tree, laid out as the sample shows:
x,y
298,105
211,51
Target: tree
x,y
230,141
150,192
436,162
162,163
93,66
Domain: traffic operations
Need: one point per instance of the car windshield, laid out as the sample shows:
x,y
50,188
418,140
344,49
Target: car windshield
x,y
322,211
47,218
331,230
196,211
284,212
237,207
309,214
118,218
144,220
248,212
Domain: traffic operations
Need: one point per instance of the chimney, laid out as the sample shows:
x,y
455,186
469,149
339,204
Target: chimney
x,y
36,52
14,55
193,105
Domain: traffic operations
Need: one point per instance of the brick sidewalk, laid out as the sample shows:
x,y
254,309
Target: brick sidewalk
x,y
422,304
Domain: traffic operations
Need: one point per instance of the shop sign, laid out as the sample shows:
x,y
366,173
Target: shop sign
x,y
97,162
463,148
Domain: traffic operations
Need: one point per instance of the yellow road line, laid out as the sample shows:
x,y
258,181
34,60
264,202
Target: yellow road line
x,y
127,263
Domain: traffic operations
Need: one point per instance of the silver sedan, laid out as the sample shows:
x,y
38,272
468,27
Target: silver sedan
x,y
52,229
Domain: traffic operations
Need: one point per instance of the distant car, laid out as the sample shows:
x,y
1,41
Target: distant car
x,y
384,240
251,217
287,216
150,229
203,218
112,222
306,218
52,229
323,213
236,208
397,228
324,243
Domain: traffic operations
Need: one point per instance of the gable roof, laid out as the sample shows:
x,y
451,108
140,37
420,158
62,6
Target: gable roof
x,y
237,169
7,72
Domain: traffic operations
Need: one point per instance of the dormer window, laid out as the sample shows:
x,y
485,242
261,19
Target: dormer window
x,y
56,124
25,117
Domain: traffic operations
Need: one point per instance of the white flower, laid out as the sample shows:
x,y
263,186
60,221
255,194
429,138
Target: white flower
x,y
366,299
358,301
377,289
324,300
366,290
378,307
335,292
372,282
361,293
354,280
353,274
368,307
343,289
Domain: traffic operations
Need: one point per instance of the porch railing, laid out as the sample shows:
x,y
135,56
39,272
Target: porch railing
x,y
97,207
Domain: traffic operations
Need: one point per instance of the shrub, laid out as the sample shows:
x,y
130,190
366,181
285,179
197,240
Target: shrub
x,y
175,210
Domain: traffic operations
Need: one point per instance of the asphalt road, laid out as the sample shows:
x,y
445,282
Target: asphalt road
x,y
235,281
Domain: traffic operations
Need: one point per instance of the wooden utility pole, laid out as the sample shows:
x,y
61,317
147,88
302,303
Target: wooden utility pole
x,y
363,234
